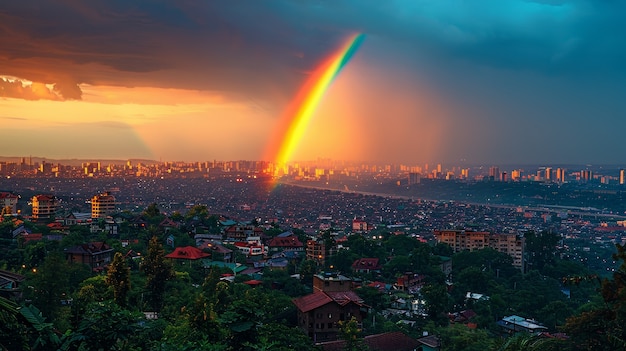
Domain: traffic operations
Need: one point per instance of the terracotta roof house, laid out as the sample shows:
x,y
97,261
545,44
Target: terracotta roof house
x,y
286,241
366,265
320,312
391,341
97,255
187,253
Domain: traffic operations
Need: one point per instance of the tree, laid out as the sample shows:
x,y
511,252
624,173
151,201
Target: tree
x,y
152,211
105,326
603,327
529,342
308,268
437,301
541,248
158,272
50,282
12,330
350,332
118,278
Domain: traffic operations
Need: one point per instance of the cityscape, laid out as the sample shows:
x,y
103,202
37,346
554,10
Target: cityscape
x,y
312,175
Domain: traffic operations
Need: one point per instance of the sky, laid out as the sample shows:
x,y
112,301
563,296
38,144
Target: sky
x,y
445,81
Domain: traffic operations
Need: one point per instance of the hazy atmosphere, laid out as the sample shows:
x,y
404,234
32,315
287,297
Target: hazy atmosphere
x,y
509,81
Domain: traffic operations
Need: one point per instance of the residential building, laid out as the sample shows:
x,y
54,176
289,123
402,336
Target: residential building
x,y
102,205
410,282
44,207
286,241
316,251
390,341
243,232
359,225
97,255
515,324
77,218
465,240
366,265
8,200
331,302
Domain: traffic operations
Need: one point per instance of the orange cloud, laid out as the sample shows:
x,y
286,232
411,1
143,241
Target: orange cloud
x,y
13,87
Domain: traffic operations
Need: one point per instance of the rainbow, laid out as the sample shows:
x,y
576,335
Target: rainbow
x,y
310,95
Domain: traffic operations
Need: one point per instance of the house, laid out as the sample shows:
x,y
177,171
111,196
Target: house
x,y
359,225
428,343
366,265
10,284
167,224
77,218
57,226
332,301
286,241
9,200
515,324
390,341
461,317
410,282
242,232
187,253
252,250
97,255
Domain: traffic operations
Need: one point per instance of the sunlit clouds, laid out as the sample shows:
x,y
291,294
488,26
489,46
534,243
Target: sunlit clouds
x,y
515,81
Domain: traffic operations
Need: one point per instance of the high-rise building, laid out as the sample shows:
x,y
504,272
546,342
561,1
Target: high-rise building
x,y
414,178
560,175
516,175
44,207
102,205
494,173
548,176
622,177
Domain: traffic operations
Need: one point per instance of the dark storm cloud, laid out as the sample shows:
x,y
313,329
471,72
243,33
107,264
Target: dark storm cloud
x,y
251,46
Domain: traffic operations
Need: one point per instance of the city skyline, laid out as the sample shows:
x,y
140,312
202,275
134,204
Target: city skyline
x,y
513,82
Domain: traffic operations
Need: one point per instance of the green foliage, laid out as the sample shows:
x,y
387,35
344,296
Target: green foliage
x,y
118,278
530,342
158,272
437,302
307,270
46,337
13,332
105,326
458,337
50,285
602,328
350,332
541,248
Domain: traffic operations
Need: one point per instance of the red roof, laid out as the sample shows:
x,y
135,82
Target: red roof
x,y
287,241
366,263
187,253
5,195
312,301
344,297
32,237
392,341
253,282
320,298
378,285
